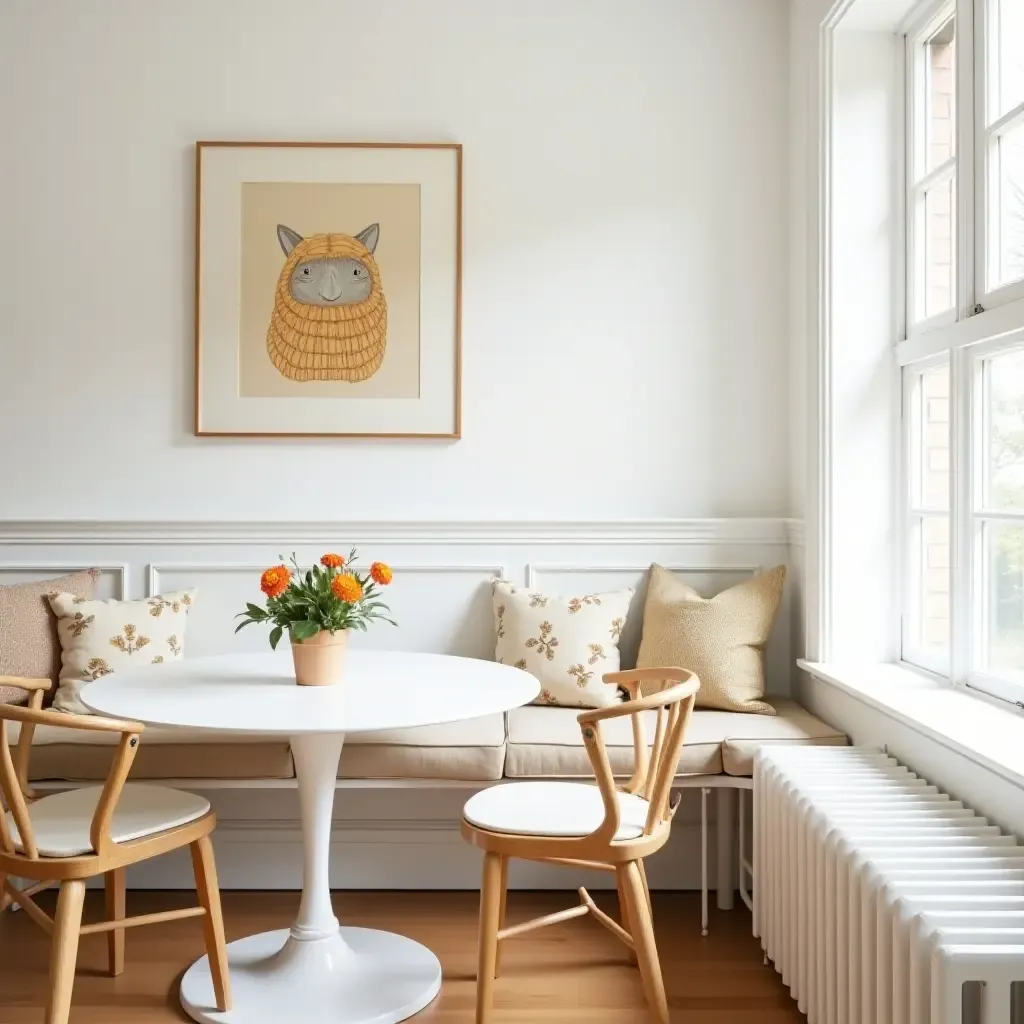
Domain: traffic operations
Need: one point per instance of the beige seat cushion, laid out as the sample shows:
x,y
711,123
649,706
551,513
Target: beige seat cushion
x,y
547,743
61,823
79,756
28,629
561,810
473,750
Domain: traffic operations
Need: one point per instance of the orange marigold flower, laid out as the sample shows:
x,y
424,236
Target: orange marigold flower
x,y
332,561
381,572
346,587
275,580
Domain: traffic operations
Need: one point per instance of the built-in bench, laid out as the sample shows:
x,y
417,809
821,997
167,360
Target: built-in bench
x,y
536,742
529,742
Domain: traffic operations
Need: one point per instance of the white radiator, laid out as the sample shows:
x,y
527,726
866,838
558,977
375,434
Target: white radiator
x,y
878,897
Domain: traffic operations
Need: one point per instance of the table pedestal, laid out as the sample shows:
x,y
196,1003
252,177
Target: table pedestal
x,y
317,972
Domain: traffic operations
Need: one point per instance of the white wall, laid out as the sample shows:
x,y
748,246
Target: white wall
x,y
625,231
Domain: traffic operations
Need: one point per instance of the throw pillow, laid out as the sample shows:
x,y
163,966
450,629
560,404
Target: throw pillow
x,y
721,638
568,643
28,630
100,637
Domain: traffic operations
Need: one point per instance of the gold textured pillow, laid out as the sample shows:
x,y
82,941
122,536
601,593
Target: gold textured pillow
x,y
721,638
28,630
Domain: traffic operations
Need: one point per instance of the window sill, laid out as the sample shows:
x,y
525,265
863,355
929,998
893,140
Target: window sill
x,y
982,731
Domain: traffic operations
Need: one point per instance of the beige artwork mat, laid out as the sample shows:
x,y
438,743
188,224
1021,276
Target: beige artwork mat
x,y
317,208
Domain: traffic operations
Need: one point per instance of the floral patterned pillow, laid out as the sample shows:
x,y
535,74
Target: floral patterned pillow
x,y
100,637
568,642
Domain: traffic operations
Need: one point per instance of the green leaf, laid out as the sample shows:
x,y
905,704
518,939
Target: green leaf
x,y
275,637
255,610
242,625
304,630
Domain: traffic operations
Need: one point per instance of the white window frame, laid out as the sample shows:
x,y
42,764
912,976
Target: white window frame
x,y
986,169
911,517
979,516
928,21
982,323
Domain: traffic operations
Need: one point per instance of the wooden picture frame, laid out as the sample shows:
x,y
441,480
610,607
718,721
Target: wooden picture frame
x,y
328,289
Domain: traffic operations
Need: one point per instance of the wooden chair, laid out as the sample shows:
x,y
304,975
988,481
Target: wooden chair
x,y
98,830
577,824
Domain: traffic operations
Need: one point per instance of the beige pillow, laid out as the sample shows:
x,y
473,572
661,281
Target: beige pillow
x,y
721,638
100,637
567,642
28,630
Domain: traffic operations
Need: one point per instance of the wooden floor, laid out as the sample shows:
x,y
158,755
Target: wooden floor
x,y
575,972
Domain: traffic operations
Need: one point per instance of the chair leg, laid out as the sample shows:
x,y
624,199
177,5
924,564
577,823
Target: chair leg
x,y
502,909
64,953
205,870
4,898
487,950
647,889
627,921
114,892
643,938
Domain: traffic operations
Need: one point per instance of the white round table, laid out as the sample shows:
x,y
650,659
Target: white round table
x,y
316,972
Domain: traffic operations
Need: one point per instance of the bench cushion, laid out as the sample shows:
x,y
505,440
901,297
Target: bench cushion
x,y
472,751
546,742
80,756
792,724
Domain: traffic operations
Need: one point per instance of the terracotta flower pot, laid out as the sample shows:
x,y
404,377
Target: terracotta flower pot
x,y
320,660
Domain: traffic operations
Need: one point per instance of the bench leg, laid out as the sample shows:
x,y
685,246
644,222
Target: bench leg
x,y
726,844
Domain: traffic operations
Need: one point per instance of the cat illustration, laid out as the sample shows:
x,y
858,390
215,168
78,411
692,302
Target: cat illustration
x,y
330,315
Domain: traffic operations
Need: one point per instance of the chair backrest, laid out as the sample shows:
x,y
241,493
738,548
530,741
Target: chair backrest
x,y
15,791
654,768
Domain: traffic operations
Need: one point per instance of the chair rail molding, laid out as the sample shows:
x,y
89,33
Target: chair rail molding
x,y
773,530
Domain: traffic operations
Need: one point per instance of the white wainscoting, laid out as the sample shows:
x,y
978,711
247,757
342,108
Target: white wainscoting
x,y
389,836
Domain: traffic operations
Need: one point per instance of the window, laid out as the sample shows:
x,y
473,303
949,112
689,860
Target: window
x,y
1002,141
999,516
927,626
962,357
932,162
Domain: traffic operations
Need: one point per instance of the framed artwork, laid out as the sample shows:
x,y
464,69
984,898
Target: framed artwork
x,y
328,279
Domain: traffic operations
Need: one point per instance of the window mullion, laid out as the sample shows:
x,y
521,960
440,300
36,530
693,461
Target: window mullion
x,y
976,139
966,218
961,505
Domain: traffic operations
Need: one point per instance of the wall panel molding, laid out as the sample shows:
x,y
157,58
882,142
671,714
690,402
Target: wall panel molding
x,y
441,596
36,568
534,570
153,570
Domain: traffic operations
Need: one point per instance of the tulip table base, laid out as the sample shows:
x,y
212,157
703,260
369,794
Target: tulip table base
x,y
317,972
356,976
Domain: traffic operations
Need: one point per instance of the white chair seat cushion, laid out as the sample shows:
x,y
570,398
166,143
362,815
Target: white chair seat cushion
x,y
556,809
60,823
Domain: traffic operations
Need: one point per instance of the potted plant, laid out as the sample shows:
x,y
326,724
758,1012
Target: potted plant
x,y
318,607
